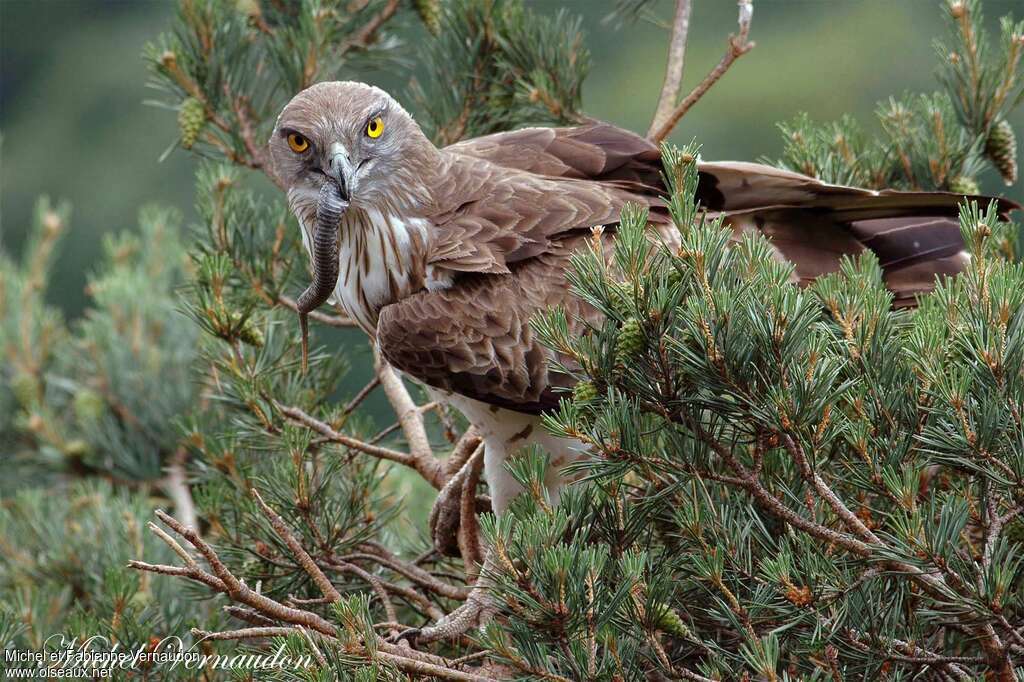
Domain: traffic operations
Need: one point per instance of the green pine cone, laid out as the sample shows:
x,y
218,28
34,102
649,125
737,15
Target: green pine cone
x,y
584,392
670,622
88,406
251,334
630,340
617,297
191,119
964,184
1001,149
430,14
24,388
620,296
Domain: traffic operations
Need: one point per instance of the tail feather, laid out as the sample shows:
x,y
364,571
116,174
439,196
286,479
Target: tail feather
x,y
916,235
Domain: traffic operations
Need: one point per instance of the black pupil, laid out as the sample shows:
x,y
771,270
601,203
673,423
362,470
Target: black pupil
x,y
298,141
373,125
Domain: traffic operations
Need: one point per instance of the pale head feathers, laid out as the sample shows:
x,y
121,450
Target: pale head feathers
x,y
388,173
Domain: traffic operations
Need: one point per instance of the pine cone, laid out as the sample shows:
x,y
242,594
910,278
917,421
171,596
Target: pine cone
x,y
964,184
630,340
251,334
584,392
430,14
1001,148
670,622
191,119
88,406
620,296
24,388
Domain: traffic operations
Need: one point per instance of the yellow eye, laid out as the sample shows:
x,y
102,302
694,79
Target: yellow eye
x,y
298,143
375,128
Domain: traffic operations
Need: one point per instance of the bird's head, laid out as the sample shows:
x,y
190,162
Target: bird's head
x,y
356,135
345,145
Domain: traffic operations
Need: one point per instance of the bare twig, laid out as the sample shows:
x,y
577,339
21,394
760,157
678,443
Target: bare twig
x,y
364,392
404,458
674,67
244,633
224,581
409,594
812,477
411,419
411,571
248,615
301,555
378,587
739,45
368,33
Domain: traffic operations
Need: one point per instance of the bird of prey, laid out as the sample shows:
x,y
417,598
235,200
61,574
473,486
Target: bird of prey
x,y
443,255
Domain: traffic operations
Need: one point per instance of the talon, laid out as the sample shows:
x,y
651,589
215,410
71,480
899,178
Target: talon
x,y
409,635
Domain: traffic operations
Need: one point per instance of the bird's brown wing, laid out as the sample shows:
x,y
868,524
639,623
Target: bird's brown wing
x,y
475,339
507,197
810,223
511,210
488,217
595,151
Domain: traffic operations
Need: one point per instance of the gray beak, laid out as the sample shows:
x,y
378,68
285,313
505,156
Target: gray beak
x,y
339,167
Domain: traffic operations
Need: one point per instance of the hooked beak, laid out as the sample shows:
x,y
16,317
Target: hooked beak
x,y
339,167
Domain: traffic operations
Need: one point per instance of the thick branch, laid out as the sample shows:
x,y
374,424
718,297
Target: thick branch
x,y
411,418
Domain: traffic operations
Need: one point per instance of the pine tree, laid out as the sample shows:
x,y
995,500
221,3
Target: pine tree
x,y
784,483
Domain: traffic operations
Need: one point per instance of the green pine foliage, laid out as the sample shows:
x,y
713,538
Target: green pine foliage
x,y
811,480
497,65
937,141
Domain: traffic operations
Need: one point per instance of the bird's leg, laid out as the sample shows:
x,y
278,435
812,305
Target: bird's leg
x,y
479,608
444,515
449,508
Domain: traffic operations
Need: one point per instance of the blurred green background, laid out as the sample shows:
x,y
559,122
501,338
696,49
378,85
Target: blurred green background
x,y
74,125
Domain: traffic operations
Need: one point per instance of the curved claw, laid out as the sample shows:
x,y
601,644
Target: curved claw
x,y
410,635
475,612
